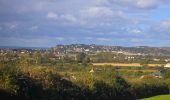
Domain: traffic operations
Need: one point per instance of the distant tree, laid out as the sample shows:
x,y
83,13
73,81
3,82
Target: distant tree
x,y
166,74
86,60
37,57
81,57
145,62
68,59
23,62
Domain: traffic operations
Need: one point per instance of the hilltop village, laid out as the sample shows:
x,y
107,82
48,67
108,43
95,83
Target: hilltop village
x,y
93,53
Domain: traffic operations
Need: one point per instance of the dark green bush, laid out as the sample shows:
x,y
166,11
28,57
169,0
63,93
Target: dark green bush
x,y
50,86
148,89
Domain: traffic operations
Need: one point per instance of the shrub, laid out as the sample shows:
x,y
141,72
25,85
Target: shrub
x,y
166,74
149,88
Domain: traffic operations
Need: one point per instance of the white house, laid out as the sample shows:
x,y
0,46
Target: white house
x,y
167,65
92,70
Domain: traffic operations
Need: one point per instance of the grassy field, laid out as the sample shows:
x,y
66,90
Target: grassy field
x,y
121,64
161,97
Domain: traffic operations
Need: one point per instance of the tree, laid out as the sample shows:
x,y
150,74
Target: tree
x,y
166,74
23,62
80,57
86,60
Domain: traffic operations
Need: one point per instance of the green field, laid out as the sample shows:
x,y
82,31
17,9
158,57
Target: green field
x,y
161,97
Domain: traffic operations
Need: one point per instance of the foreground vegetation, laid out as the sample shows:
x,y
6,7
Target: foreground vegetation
x,y
24,79
48,83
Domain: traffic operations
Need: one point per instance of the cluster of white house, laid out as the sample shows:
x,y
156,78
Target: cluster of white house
x,y
167,65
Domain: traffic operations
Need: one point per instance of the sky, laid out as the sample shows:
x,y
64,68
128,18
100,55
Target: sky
x,y
46,23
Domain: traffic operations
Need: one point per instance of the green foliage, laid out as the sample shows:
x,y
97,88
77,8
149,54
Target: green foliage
x,y
7,82
80,57
86,60
149,87
166,73
45,83
103,91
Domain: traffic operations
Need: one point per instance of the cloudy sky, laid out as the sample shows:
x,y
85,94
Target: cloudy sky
x,y
46,23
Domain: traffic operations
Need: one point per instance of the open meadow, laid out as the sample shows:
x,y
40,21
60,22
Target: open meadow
x,y
160,97
128,64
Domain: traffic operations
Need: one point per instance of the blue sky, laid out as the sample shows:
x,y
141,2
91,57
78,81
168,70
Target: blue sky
x,y
46,23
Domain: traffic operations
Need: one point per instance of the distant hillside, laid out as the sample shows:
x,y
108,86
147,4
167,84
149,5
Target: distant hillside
x,y
19,47
161,51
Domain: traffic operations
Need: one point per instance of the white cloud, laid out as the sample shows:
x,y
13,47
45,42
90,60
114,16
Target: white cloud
x,y
59,38
147,4
165,24
103,39
33,28
102,2
88,17
160,30
140,4
68,17
10,25
101,16
62,18
99,12
52,15
135,31
89,38
135,40
162,27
